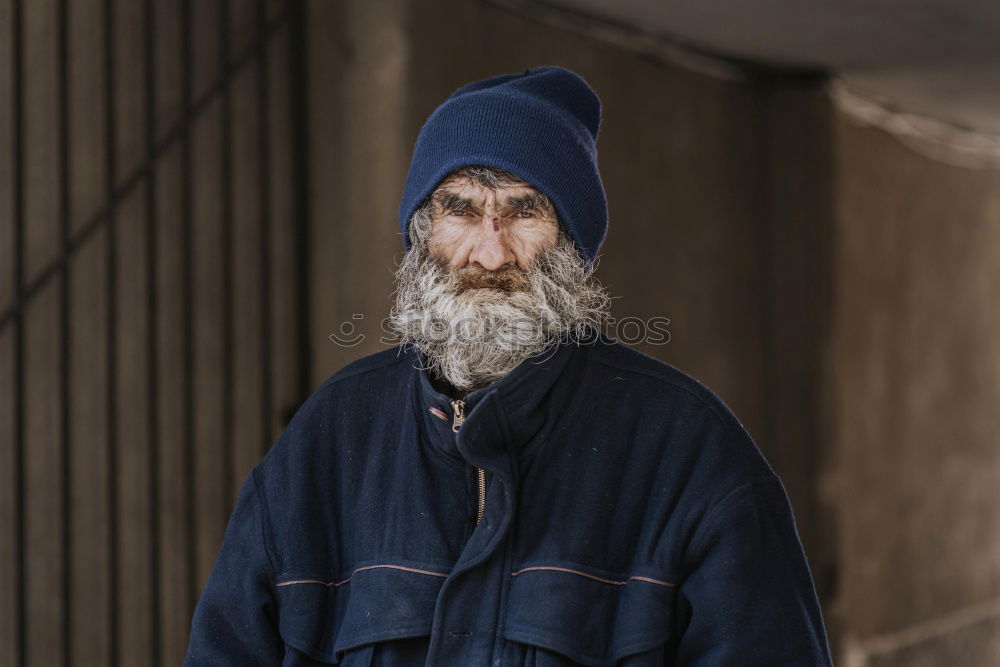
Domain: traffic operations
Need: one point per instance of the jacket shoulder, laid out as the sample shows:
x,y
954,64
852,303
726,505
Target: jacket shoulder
x,y
699,418
374,378
379,361
666,377
380,366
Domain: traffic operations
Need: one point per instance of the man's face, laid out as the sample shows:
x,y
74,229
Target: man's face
x,y
490,280
476,230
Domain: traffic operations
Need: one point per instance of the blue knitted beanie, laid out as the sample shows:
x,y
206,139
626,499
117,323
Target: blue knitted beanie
x,y
540,125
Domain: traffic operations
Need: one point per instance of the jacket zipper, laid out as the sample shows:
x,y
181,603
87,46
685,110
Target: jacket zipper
x,y
459,419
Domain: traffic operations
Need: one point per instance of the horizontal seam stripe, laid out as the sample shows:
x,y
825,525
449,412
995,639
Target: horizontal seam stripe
x,y
648,580
334,584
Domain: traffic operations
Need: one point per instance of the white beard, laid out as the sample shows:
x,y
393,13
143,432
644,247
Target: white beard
x,y
473,336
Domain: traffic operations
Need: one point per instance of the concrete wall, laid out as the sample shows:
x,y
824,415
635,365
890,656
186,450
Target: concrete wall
x,y
914,372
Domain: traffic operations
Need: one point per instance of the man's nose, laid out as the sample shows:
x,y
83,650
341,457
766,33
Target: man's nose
x,y
491,251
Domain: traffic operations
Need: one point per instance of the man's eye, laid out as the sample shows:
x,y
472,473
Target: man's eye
x,y
457,212
526,214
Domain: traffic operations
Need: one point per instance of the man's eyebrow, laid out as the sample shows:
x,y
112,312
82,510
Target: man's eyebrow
x,y
531,200
449,201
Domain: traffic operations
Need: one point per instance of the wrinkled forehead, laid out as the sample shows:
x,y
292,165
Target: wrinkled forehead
x,y
462,191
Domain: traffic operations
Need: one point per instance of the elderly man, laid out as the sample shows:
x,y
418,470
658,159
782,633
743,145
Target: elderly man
x,y
509,486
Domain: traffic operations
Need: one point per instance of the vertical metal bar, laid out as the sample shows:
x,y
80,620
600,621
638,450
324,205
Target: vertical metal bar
x,y
19,407
187,273
299,118
264,165
227,262
111,401
64,347
152,340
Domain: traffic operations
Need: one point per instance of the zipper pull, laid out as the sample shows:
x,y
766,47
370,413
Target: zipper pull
x,y
459,408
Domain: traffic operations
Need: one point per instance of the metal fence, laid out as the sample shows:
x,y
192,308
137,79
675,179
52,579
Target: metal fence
x,y
153,292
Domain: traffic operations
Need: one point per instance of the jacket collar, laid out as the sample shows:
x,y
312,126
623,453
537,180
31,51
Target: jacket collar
x,y
507,414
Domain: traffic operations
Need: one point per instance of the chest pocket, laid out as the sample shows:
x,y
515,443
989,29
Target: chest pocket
x,y
343,622
567,616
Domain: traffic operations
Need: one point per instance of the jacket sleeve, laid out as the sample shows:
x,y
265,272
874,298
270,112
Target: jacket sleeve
x,y
747,594
235,621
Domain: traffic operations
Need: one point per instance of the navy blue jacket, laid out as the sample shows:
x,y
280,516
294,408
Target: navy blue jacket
x,y
594,507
